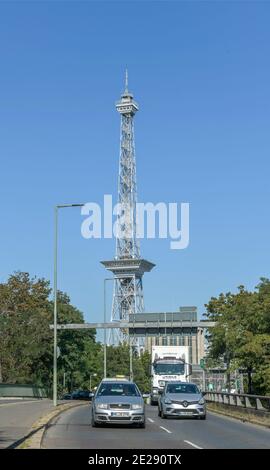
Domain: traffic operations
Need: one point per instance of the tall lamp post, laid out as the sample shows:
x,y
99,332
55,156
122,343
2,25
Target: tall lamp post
x,y
56,208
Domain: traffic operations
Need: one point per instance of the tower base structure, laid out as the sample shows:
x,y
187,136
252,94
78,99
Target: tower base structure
x,y
127,293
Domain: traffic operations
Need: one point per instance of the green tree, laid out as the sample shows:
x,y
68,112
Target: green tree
x,y
26,341
24,316
241,335
77,347
118,363
141,372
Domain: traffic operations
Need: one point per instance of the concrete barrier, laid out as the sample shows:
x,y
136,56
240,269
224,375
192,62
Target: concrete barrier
x,y
252,408
244,414
22,391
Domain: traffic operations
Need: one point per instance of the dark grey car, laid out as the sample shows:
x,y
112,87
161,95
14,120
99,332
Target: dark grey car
x,y
118,402
181,399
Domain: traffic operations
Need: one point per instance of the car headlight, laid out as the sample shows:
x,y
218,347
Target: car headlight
x,y
136,407
103,406
167,401
202,401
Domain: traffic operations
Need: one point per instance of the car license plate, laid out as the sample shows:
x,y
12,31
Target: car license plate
x,y
185,413
122,414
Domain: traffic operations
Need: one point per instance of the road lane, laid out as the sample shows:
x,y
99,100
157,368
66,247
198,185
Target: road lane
x,y
72,429
216,432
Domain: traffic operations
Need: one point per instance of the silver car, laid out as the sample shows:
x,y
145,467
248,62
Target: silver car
x,y
181,399
118,402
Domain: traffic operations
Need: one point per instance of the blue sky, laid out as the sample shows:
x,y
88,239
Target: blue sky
x,y
200,72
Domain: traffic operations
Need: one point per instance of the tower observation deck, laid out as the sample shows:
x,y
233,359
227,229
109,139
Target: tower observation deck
x,y
127,267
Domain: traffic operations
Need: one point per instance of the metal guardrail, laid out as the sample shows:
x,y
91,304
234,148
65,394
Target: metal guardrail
x,y
253,402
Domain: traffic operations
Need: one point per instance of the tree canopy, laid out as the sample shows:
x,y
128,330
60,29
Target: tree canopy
x,y
26,341
241,337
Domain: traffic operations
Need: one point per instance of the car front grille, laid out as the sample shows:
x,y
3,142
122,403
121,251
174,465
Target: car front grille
x,y
119,406
191,412
176,402
119,418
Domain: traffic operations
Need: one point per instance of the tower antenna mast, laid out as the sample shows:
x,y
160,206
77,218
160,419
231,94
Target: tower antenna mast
x,y
127,267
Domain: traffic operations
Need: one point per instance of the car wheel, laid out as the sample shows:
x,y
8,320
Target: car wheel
x,y
159,413
162,415
93,422
203,417
153,403
142,425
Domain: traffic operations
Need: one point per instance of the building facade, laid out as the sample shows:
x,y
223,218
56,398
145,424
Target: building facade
x,y
191,335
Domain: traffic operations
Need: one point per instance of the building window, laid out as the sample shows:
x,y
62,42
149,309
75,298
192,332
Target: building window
x,y
172,340
164,341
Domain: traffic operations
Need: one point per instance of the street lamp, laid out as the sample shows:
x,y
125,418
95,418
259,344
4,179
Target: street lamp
x,y
59,206
90,381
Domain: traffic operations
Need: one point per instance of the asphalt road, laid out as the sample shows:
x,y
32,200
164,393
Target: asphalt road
x,y
17,417
72,430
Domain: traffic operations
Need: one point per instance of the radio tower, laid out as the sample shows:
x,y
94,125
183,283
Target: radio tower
x,y
127,267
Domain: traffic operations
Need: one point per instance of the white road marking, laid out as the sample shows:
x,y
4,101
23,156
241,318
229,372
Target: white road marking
x,y
151,420
11,398
193,445
167,430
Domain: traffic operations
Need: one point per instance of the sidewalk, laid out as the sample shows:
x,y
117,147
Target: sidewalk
x,y
17,417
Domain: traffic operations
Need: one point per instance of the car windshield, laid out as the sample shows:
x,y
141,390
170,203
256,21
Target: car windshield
x,y
118,389
163,369
182,388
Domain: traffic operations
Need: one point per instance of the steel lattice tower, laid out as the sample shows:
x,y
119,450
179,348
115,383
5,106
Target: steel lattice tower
x,y
128,267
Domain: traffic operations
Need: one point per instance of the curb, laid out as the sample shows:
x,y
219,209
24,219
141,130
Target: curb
x,y
39,427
